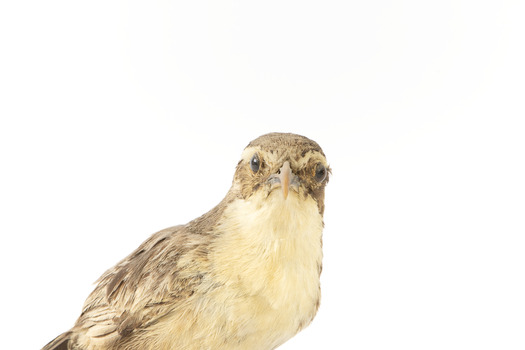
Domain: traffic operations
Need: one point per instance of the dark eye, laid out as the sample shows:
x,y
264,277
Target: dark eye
x,y
320,172
255,163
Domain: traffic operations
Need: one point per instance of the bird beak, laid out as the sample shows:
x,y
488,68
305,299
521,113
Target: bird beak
x,y
284,177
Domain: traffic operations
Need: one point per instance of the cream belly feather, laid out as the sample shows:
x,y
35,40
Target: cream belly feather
x,y
268,266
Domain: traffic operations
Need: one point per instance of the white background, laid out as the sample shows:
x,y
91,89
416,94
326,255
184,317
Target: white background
x,y
122,118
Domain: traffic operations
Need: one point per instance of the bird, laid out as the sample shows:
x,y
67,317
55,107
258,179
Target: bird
x,y
245,275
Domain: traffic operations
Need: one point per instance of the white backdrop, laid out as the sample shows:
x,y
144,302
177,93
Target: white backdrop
x,y
120,118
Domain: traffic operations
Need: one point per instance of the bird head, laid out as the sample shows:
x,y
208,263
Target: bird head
x,y
285,165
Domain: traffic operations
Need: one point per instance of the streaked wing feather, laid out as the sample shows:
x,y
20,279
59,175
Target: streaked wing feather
x,y
148,284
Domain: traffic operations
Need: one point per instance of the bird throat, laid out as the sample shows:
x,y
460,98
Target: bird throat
x,y
269,234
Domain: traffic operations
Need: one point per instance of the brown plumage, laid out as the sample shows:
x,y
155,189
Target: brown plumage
x,y
245,275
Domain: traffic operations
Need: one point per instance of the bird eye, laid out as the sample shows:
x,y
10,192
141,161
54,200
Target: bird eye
x,y
255,163
320,172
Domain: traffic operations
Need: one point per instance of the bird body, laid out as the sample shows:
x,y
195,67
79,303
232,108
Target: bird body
x,y
245,275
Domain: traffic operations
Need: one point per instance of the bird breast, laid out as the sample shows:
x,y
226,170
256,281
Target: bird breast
x,y
268,254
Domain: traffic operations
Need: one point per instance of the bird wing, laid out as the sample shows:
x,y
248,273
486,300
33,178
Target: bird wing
x,y
59,343
153,281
